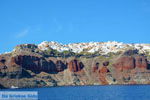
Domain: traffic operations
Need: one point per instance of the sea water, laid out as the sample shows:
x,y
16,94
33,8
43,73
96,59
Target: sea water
x,y
110,92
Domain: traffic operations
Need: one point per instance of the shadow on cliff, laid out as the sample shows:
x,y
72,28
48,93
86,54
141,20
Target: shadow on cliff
x,y
39,64
2,87
148,67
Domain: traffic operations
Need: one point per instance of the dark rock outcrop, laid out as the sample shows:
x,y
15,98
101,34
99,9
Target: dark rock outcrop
x,y
60,66
14,65
75,65
2,87
131,52
35,64
141,62
106,63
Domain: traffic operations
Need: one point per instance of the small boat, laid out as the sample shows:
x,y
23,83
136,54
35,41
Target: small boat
x,y
14,87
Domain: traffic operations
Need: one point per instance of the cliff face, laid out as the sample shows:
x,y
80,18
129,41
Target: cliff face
x,y
35,64
28,66
131,62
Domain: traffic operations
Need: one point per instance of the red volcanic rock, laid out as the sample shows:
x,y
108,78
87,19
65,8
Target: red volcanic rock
x,y
128,62
141,62
125,62
12,61
60,66
95,67
102,75
75,65
104,70
103,80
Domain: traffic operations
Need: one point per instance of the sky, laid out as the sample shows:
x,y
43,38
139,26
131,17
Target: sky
x,y
72,21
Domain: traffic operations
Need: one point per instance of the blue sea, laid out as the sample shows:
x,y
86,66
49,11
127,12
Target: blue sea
x,y
110,92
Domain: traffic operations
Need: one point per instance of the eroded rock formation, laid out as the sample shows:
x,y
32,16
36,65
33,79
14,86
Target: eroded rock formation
x,y
124,63
103,73
60,66
141,62
75,65
129,62
35,64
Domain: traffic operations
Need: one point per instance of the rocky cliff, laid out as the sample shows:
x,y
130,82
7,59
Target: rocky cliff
x,y
29,65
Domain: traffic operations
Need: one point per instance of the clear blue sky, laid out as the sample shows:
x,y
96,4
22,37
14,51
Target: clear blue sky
x,y
65,21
